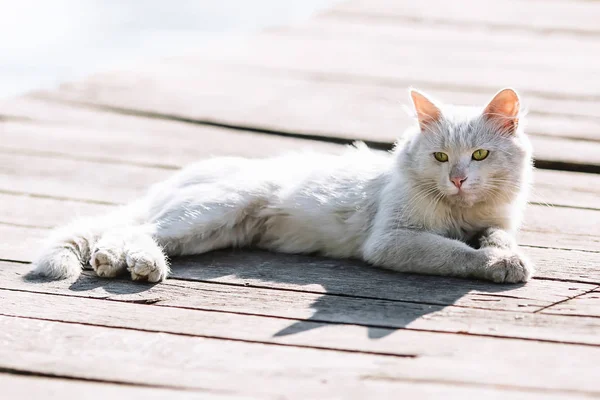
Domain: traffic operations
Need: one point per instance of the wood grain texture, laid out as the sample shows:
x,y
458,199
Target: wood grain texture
x,y
88,352
36,387
317,275
52,388
565,264
38,212
365,107
249,297
20,243
587,305
377,60
437,357
522,49
561,227
534,16
139,142
358,115
263,370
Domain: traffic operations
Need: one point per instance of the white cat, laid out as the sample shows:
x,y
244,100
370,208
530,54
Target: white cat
x,y
461,176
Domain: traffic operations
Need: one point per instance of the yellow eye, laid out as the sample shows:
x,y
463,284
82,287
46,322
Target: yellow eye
x,y
480,154
441,157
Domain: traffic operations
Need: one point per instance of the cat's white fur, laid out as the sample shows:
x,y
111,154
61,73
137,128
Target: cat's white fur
x,y
397,210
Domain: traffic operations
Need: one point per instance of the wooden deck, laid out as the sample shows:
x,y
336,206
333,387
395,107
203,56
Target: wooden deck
x,y
250,324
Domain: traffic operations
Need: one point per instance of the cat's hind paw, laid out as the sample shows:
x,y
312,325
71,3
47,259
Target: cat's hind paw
x,y
148,264
108,262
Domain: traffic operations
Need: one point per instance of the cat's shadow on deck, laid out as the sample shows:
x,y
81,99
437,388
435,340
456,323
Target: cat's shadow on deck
x,y
337,291
286,286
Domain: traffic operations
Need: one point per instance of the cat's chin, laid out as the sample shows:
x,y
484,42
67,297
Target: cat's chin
x,y
462,199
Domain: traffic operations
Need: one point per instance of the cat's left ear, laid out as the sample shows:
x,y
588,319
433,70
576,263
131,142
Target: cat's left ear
x,y
504,110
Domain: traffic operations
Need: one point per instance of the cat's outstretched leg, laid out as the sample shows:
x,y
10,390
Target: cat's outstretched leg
x,y
68,249
130,250
428,253
494,237
86,242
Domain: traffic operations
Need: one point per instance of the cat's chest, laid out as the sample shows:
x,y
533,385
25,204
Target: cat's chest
x,y
465,224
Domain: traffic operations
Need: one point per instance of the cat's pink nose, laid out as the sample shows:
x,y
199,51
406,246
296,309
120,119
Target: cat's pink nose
x,y
458,181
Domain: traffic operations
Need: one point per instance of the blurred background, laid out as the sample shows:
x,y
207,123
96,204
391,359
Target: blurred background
x,y
43,43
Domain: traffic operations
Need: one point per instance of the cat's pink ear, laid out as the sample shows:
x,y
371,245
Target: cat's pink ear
x,y
427,111
503,110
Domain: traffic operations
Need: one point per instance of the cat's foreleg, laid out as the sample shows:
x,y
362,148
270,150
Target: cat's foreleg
x,y
496,237
428,253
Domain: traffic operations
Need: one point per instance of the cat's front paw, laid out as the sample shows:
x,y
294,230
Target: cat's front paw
x,y
507,266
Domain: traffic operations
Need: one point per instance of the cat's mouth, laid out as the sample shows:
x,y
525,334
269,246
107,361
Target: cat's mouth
x,y
462,198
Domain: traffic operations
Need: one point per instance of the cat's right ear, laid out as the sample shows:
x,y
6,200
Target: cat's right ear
x,y
427,112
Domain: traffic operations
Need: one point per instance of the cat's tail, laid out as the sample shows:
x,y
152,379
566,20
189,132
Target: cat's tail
x,y
68,249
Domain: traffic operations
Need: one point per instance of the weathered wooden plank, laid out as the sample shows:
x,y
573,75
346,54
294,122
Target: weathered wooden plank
x,y
169,145
280,101
565,264
542,17
37,387
380,60
587,305
294,100
526,56
319,275
20,243
450,357
343,277
580,187
135,357
561,227
19,386
517,46
169,148
140,357
303,115
369,311
76,179
39,212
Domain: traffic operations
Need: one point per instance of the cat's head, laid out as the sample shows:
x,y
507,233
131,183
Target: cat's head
x,y
469,155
